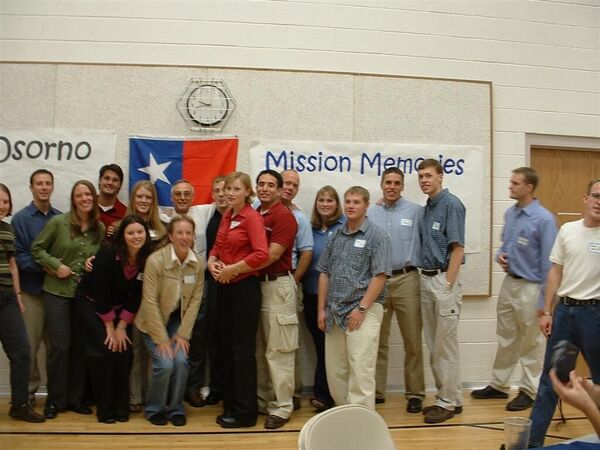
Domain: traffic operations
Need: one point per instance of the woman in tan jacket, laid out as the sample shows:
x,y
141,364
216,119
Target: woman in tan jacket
x,y
173,283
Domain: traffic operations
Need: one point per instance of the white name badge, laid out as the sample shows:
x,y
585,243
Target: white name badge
x,y
435,226
406,222
360,243
522,240
140,276
189,279
594,247
234,223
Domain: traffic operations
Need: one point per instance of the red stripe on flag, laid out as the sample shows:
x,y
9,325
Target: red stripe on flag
x,y
205,160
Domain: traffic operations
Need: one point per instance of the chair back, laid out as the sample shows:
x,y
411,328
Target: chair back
x,y
346,427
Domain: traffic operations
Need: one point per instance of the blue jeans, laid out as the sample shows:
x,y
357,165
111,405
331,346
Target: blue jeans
x,y
169,377
581,326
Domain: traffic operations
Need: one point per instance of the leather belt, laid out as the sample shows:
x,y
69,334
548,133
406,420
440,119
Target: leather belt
x,y
404,270
515,276
574,302
274,276
433,272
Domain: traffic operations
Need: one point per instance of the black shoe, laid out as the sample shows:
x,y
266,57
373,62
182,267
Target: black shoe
x,y
108,420
379,401
213,399
487,393
232,422
50,411
25,412
122,418
415,405
79,408
297,402
520,402
194,399
457,409
178,420
158,419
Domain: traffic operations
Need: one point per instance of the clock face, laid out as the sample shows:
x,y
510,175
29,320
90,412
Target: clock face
x,y
207,105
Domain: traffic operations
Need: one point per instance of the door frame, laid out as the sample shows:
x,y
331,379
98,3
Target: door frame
x,y
562,142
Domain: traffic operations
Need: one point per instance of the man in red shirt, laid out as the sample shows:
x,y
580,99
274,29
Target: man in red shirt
x,y
277,338
111,208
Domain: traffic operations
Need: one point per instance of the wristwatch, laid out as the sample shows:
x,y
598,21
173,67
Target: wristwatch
x,y
362,308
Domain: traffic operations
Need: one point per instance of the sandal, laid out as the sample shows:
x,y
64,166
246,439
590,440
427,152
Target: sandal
x,y
319,405
135,407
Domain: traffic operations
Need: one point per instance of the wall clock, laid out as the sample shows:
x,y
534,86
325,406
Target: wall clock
x,y
206,104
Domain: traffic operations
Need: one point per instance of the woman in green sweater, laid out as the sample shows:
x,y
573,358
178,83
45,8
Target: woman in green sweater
x,y
61,249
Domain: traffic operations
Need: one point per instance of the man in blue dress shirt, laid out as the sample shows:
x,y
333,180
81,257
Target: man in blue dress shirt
x,y
527,239
443,240
401,219
27,224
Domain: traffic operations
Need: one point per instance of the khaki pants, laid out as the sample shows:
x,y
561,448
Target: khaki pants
x,y
350,360
519,337
404,298
34,316
276,344
440,308
298,385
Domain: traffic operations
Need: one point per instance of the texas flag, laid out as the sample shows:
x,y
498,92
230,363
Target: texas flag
x,y
163,161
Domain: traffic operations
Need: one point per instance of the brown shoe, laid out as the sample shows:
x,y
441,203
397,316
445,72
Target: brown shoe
x,y
273,422
437,414
25,412
457,409
194,399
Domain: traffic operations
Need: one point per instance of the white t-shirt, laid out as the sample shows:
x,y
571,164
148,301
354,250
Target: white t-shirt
x,y
201,215
577,249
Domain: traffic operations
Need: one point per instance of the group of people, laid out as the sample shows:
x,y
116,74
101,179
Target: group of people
x,y
112,289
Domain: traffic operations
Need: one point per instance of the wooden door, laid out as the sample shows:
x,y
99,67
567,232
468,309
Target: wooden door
x,y
564,175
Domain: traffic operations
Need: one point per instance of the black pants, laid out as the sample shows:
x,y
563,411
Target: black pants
x,y
240,307
205,344
320,387
65,364
15,343
109,370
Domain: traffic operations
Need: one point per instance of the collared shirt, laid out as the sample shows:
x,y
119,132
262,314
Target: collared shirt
x,y
443,224
115,212
55,246
241,237
304,237
310,282
352,260
527,239
281,228
28,223
401,221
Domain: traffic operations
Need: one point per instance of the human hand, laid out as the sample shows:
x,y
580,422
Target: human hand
x,y
503,261
355,320
545,323
89,263
181,343
574,393
227,274
64,271
215,269
165,350
121,339
321,322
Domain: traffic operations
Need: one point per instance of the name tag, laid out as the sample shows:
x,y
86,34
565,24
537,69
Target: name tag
x,y
406,222
521,240
189,279
360,243
140,276
153,234
594,247
435,226
234,223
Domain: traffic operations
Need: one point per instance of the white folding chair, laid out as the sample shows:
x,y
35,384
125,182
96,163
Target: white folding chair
x,y
346,427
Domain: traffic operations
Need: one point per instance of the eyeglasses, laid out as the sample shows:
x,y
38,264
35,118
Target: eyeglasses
x,y
184,194
595,196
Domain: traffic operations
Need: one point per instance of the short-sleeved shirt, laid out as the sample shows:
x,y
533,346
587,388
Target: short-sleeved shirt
x,y
7,250
577,250
281,228
352,260
304,237
310,282
401,221
443,225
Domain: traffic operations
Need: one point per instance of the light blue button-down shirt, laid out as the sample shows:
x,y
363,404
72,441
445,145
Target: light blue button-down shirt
x,y
401,222
527,240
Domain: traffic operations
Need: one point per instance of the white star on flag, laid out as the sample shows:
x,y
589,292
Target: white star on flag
x,y
156,171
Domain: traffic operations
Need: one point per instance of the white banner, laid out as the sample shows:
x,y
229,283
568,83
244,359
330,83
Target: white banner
x,y
344,164
70,155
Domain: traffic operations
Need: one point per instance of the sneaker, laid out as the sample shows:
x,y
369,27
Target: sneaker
x,y
487,393
437,414
25,412
520,402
